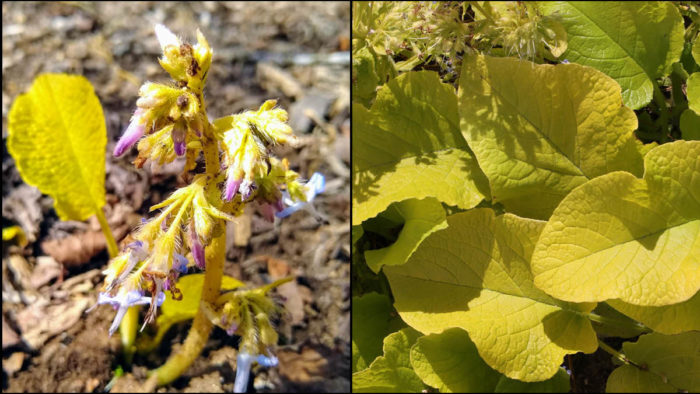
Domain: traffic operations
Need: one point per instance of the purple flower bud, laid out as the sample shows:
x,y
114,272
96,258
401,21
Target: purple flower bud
x,y
279,205
232,186
231,329
198,252
131,134
178,136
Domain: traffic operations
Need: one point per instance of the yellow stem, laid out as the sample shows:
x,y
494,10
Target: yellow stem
x,y
201,327
111,242
215,255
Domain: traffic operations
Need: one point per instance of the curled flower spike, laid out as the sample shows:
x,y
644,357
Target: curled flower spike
x,y
243,363
131,134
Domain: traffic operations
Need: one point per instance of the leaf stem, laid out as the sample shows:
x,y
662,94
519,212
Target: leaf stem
x,y
109,237
614,352
636,327
660,101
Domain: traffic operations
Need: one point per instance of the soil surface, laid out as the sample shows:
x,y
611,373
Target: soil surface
x,y
297,53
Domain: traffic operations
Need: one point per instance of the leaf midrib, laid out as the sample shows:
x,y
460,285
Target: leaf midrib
x,y
489,289
539,131
71,144
572,4
654,233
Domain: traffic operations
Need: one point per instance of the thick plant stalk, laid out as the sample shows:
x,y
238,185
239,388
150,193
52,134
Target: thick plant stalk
x,y
201,327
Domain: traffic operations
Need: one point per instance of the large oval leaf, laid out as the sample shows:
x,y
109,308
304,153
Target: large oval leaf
x,y
671,363
409,146
57,137
538,131
618,236
450,362
475,275
634,42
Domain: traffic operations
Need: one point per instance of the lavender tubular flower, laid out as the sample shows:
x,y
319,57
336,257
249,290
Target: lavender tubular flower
x,y
131,134
315,185
123,301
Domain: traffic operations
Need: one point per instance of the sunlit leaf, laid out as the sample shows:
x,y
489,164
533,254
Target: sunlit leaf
x,y
618,236
409,146
58,139
634,42
538,131
391,372
475,275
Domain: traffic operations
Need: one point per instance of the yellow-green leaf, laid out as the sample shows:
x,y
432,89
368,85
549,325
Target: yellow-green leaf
x,y
634,42
392,372
618,236
672,365
694,92
373,319
409,146
450,362
690,125
538,131
475,275
57,137
421,218
667,319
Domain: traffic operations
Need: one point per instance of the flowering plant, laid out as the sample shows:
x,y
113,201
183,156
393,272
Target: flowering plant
x,y
171,121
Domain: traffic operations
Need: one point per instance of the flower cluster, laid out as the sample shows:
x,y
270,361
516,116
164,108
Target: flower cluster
x,y
170,121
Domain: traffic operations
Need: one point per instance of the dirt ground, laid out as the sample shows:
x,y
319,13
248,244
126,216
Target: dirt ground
x,y
295,52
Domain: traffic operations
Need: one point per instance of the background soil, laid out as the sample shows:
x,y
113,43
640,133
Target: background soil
x,y
295,52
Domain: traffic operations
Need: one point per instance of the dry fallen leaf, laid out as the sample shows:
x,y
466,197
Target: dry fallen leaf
x,y
79,248
9,336
45,270
291,291
41,321
307,366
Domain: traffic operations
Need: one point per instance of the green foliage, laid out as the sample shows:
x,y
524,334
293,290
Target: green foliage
x,y
391,372
634,42
532,210
669,364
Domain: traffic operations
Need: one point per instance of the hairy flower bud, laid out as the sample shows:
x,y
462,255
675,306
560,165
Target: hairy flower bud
x,y
131,134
